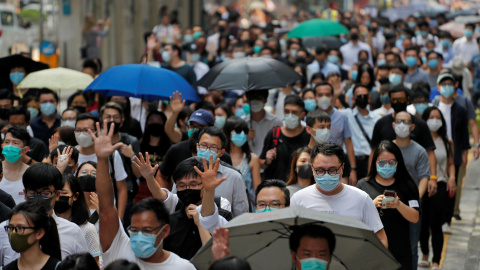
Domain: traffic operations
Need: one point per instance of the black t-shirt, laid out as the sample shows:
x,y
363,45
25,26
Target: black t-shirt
x,y
279,168
396,226
132,127
51,264
383,130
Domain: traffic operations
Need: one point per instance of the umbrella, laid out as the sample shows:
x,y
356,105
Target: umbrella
x,y
262,239
248,73
142,81
56,79
454,28
467,19
330,42
17,60
317,28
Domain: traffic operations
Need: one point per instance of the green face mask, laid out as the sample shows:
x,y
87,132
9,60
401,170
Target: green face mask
x,y
19,242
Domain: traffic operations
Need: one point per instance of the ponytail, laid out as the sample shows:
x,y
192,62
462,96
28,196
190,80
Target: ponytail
x,y
50,242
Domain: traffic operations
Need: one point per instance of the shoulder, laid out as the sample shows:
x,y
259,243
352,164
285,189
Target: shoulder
x,y
69,226
175,260
362,183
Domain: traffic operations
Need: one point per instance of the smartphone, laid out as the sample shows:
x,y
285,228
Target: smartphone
x,y
389,197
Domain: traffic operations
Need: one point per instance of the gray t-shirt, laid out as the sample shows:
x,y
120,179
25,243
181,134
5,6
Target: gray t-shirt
x,y
416,161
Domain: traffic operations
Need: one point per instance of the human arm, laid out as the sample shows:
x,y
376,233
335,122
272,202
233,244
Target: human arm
x,y
383,237
151,45
176,104
255,168
451,185
144,167
409,213
432,183
423,184
193,214
351,158
122,195
474,128
220,245
64,158
269,157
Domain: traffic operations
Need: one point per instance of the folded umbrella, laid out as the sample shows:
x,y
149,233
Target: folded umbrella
x,y
142,81
56,79
262,239
317,28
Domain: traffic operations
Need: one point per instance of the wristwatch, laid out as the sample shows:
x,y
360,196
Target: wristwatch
x,y
353,168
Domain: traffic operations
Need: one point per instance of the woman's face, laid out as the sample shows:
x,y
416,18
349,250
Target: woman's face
x,y
220,112
308,95
303,159
155,119
435,114
19,220
87,169
386,156
79,101
67,191
365,79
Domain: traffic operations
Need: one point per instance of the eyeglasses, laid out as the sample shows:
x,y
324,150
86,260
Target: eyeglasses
x,y
46,194
330,171
17,229
383,162
134,230
211,148
190,127
276,205
398,100
192,185
405,121
115,117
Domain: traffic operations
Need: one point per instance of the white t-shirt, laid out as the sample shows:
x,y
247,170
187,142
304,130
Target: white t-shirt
x,y
14,188
120,173
120,249
446,110
351,201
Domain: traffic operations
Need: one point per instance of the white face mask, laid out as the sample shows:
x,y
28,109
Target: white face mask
x,y
84,140
402,130
434,124
256,105
322,135
237,55
324,102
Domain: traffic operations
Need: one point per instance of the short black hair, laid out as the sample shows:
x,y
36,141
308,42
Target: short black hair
x,y
360,86
319,116
439,55
293,99
274,183
328,149
75,152
112,105
268,49
323,84
86,116
154,205
175,47
214,131
6,94
252,94
399,88
398,65
42,175
412,48
19,110
420,92
313,231
186,168
20,133
78,261
321,50
206,105
46,91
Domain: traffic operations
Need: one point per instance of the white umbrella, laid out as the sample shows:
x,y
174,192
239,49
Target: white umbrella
x,y
56,79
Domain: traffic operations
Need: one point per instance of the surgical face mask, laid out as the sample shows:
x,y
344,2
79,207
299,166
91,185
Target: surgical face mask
x,y
47,108
412,24
189,196
19,242
195,57
166,57
188,38
446,90
266,209
385,99
432,63
237,55
321,135
239,139
16,77
354,74
468,33
70,123
402,130
246,108
62,205
434,124
257,49
313,264
256,105
87,182
446,43
304,171
423,33
411,61
333,59
310,105
293,54
291,121
420,108
324,102
327,182
399,106
381,62
424,59
191,131
395,79
220,121
143,245
239,112
12,153
206,154
33,112
4,114
386,171
84,140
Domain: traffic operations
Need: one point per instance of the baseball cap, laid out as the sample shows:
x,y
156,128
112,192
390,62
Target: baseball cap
x,y
445,76
203,117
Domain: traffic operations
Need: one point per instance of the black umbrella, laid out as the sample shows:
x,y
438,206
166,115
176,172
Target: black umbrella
x,y
17,60
330,42
248,73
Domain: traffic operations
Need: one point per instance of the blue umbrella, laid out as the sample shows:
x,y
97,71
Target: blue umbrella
x,y
142,81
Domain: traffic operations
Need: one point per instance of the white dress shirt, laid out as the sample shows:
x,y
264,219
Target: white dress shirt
x,y
350,53
466,49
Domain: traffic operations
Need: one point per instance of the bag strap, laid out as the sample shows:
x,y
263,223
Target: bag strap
x,y
363,130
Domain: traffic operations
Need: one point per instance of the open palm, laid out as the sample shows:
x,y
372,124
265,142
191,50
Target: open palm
x,y
103,142
209,174
176,102
144,167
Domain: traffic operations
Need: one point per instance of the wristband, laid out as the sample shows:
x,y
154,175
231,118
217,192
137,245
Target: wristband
x,y
353,168
433,177
133,159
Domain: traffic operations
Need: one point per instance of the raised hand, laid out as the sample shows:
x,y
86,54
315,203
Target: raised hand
x,y
220,246
53,142
176,102
144,167
209,174
103,140
151,42
64,158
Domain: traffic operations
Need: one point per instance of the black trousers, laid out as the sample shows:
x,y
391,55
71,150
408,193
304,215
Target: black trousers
x,y
450,204
362,166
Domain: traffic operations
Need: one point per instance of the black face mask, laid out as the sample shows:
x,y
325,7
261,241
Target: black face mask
x,y
62,206
363,60
361,101
189,196
4,114
116,128
305,171
87,182
156,130
399,107
80,109
354,36
46,203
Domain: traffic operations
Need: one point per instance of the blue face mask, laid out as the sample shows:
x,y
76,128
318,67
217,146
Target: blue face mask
x,y
381,62
412,24
239,139
70,123
257,49
423,33
367,23
446,43
313,264
420,108
220,121
206,154
395,79
385,99
47,108
293,54
239,112
354,74
11,153
333,59
188,38
424,59
33,112
477,29
191,131
468,33
16,77
432,63
143,245
343,40
386,171
166,57
411,61
246,108
403,37
310,104
327,182
446,90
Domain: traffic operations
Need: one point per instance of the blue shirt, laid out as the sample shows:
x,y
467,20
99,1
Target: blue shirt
x,y
417,75
447,55
328,67
339,129
361,146
40,129
434,92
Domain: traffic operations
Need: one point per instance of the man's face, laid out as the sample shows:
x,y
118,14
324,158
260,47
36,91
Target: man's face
x,y
293,109
324,91
327,163
403,118
382,73
168,49
47,98
69,116
265,53
390,58
147,223
270,197
85,125
5,104
17,120
312,248
212,142
43,195
10,140
411,53
190,183
112,115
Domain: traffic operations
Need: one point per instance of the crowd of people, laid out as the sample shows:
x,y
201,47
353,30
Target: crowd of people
x,y
377,129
